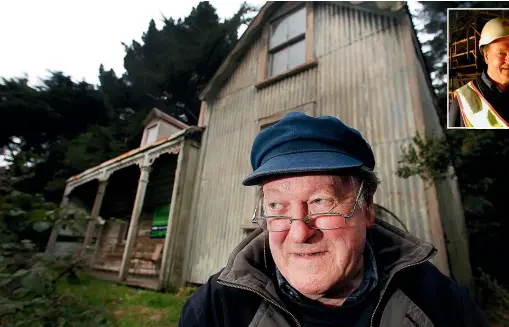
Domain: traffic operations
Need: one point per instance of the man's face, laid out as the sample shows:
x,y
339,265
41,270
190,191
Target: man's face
x,y
497,59
315,261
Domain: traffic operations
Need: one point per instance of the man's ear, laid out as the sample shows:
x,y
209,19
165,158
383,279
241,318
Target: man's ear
x,y
370,210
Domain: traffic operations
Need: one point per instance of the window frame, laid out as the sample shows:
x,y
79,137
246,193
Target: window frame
x,y
264,78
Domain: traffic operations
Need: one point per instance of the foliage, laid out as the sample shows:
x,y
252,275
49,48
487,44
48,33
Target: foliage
x,y
426,157
28,277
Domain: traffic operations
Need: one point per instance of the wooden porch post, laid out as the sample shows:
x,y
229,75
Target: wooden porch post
x,y
93,216
54,233
133,226
177,190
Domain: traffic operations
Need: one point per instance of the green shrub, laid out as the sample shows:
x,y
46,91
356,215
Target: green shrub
x,y
28,277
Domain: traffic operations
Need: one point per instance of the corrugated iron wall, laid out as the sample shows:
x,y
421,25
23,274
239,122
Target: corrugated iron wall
x,y
361,78
222,205
366,84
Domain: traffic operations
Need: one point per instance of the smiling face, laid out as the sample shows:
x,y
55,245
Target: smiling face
x,y
497,59
315,262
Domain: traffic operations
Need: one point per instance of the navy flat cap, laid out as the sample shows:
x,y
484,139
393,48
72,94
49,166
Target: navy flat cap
x,y
300,144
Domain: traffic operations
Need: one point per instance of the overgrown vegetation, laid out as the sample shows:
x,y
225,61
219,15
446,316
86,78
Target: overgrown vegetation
x,y
46,290
29,277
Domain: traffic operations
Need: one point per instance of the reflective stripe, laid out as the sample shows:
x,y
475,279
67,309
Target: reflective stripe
x,y
475,111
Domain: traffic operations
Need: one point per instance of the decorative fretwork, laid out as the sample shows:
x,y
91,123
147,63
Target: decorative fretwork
x,y
142,159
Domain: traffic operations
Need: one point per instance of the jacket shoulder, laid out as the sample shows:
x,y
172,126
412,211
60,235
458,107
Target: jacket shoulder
x,y
214,304
444,301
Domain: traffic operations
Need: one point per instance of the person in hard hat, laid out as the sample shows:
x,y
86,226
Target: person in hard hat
x,y
484,102
320,256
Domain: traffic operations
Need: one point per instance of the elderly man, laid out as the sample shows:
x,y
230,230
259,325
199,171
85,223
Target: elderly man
x,y
321,258
484,102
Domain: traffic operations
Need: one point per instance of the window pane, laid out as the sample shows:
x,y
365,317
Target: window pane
x,y
279,62
297,54
279,33
297,23
288,27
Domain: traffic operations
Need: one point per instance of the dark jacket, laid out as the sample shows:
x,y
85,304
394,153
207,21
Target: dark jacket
x,y
413,291
498,100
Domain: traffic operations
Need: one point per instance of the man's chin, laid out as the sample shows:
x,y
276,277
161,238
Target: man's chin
x,y
312,287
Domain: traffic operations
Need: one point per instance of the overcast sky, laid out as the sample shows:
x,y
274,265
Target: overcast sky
x,y
75,37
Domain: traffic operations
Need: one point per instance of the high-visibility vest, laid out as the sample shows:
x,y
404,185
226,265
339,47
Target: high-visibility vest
x,y
475,110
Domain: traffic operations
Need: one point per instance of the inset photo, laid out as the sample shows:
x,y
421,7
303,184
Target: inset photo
x,y
478,68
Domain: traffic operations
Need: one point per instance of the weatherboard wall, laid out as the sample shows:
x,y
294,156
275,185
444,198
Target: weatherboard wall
x,y
358,80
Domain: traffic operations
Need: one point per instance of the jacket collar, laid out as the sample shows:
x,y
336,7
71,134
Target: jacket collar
x,y
489,83
394,250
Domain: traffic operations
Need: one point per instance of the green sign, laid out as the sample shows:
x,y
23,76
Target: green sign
x,y
160,221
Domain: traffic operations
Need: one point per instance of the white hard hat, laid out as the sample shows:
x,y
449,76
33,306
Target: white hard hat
x,y
494,30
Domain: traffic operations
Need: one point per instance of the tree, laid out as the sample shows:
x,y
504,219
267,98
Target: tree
x,y
173,64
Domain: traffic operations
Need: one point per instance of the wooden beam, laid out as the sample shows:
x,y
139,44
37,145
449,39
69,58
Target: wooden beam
x,y
263,60
463,53
175,201
99,196
464,66
50,246
201,118
464,40
133,226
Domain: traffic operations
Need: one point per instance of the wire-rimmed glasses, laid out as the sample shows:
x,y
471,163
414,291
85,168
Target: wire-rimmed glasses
x,y
322,220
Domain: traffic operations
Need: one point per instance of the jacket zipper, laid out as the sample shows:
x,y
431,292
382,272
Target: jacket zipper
x,y
263,296
427,258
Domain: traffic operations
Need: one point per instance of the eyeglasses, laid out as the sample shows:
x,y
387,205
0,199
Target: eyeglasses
x,y
323,220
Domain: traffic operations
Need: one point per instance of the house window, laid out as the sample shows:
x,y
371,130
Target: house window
x,y
287,46
287,42
151,134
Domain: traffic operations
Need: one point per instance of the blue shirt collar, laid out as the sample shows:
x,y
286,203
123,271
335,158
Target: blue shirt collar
x,y
369,282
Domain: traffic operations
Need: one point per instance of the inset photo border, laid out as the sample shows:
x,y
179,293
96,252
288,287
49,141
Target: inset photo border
x,y
478,68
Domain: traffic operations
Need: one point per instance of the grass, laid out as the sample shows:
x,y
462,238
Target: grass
x,y
128,306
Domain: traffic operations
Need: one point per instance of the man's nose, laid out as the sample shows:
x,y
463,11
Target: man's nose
x,y
299,231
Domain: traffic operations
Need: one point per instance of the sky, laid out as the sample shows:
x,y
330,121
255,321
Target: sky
x,y
75,37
